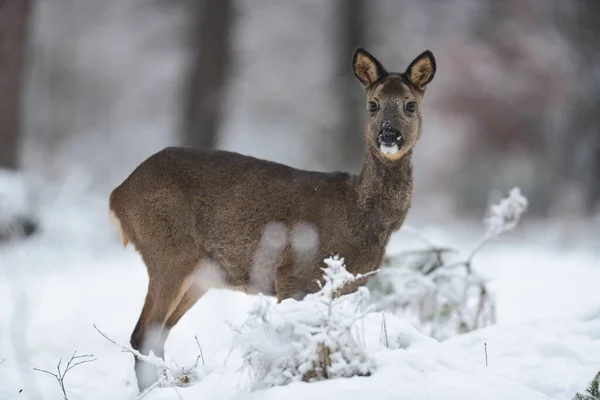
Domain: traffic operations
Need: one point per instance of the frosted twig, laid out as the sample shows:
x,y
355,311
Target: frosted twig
x,y
60,375
166,376
150,359
201,355
502,217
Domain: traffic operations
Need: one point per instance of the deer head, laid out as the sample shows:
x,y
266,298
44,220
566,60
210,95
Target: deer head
x,y
393,123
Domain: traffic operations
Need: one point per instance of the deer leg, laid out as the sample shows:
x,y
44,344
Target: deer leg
x,y
150,333
190,297
138,331
293,277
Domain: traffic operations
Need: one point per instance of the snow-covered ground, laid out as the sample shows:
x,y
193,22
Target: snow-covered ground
x,y
52,290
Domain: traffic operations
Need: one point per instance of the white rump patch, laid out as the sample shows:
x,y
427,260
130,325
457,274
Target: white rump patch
x,y
389,149
305,244
266,258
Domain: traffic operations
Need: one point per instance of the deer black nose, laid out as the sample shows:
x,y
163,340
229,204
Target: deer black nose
x,y
389,137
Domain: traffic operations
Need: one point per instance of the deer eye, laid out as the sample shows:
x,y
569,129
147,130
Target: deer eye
x,y
411,106
373,106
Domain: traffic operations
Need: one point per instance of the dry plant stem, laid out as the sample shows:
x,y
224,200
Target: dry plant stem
x,y
201,355
485,348
74,361
480,305
485,240
384,326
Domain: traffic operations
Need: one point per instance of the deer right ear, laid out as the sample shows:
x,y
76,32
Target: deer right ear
x,y
366,67
421,71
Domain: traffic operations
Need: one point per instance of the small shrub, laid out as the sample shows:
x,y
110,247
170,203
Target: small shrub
x,y
438,291
313,339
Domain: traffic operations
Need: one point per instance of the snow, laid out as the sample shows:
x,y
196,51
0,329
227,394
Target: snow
x,y
53,289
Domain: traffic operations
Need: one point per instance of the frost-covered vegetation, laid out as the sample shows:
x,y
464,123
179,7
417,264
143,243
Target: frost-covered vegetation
x,y
438,290
313,339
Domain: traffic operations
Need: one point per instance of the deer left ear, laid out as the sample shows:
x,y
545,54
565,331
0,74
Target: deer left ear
x,y
366,67
421,71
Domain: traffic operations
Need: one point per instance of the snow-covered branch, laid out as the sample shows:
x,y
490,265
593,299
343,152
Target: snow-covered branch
x,y
167,376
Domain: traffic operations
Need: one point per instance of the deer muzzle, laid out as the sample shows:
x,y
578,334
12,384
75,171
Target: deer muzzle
x,y
389,140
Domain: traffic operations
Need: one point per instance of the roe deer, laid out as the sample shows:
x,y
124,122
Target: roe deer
x,y
205,219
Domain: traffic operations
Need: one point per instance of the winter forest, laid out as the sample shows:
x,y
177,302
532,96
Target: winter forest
x,y
490,289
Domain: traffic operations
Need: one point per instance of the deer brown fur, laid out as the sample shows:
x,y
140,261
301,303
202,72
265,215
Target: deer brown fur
x,y
203,218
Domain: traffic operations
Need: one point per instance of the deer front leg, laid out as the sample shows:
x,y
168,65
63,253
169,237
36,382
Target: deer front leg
x,y
293,279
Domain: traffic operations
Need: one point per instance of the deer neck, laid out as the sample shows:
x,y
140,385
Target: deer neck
x,y
384,188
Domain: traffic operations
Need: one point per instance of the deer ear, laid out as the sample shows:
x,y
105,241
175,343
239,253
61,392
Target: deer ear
x,y
366,67
421,71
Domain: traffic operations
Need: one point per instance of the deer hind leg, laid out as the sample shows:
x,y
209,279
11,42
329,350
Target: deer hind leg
x,y
190,297
165,293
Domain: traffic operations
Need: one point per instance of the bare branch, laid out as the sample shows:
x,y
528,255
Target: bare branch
x,y
47,372
81,362
60,375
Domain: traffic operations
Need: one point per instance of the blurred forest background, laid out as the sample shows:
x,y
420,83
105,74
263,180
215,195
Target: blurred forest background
x,y
90,88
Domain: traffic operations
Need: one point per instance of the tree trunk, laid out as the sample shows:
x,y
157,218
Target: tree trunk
x,y
581,145
208,78
589,37
14,16
349,139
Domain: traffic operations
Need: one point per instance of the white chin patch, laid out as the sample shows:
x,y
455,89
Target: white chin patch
x,y
389,149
